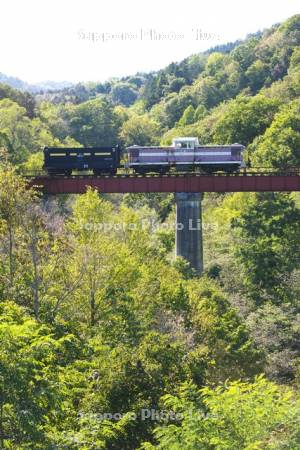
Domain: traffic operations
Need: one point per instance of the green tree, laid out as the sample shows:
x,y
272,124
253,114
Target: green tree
x,y
279,146
244,119
188,116
14,200
221,339
267,248
206,91
24,99
256,75
123,93
140,130
236,416
93,123
30,389
200,112
23,135
295,60
176,104
244,54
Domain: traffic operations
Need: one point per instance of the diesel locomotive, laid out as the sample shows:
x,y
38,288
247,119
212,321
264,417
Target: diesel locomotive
x,y
185,154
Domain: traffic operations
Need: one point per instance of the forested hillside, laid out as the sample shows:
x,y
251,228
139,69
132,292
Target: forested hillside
x,y
17,83
107,341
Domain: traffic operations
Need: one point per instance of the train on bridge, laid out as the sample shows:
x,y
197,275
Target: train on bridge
x,y
184,155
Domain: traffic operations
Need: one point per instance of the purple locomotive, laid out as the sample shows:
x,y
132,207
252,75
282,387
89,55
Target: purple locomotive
x,y
186,154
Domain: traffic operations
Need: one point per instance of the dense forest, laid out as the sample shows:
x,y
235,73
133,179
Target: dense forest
x,y
107,340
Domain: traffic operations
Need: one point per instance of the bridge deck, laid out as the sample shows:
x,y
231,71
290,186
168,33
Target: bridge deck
x,y
239,182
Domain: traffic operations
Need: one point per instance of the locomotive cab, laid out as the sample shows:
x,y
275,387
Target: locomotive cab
x,y
185,143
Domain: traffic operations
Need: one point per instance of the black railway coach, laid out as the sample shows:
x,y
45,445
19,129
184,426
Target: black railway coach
x,y
62,160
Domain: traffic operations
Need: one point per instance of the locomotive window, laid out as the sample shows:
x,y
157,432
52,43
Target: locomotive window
x,y
57,154
187,145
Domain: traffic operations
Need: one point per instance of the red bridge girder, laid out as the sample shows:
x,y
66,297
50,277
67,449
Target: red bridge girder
x,y
169,183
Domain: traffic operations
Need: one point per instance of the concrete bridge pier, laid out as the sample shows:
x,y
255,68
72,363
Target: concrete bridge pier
x,y
189,229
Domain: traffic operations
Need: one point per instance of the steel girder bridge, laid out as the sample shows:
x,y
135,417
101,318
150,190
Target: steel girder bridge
x,y
245,181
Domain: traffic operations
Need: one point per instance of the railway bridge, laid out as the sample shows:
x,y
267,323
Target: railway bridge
x,y
188,189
